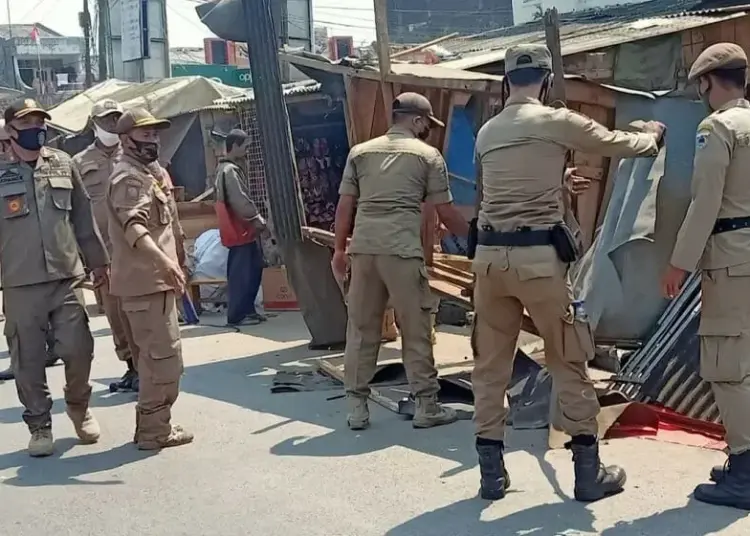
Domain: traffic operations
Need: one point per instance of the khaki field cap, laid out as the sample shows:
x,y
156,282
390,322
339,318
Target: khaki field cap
x,y
139,118
106,107
718,57
414,103
527,57
22,107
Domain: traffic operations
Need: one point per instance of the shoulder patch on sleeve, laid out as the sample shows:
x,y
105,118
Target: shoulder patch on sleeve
x,y
701,138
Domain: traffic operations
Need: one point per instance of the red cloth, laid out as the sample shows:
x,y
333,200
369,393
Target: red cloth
x,y
232,230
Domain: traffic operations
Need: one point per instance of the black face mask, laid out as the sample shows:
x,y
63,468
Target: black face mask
x,y
424,134
32,139
147,151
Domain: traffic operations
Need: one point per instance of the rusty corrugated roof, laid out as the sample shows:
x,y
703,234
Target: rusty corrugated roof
x,y
599,29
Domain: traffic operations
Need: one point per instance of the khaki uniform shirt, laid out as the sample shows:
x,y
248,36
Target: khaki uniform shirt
x,y
522,153
391,176
720,189
46,220
233,189
139,204
95,167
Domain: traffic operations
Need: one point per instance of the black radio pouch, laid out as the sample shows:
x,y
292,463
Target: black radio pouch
x,y
473,238
564,243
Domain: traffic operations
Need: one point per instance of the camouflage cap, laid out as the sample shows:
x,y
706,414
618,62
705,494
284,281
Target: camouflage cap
x,y
414,103
23,107
721,56
527,57
139,118
106,107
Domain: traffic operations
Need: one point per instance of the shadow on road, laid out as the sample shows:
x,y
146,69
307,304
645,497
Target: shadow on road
x,y
59,471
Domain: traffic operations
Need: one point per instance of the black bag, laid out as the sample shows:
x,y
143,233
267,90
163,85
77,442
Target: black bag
x,y
473,238
564,243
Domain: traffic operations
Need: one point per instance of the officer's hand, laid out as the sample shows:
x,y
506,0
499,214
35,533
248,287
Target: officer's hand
x,y
100,276
655,127
575,183
340,264
672,281
174,275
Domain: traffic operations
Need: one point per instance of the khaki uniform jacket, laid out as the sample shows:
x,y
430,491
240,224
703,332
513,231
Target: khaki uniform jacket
x,y
95,167
47,222
720,189
139,204
522,154
391,176
233,189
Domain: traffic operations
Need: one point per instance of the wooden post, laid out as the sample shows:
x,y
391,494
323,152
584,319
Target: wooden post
x,y
552,37
384,55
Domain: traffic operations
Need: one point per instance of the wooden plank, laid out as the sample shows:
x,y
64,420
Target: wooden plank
x,y
552,38
423,46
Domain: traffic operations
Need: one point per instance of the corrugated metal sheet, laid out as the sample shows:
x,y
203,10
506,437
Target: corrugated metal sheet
x,y
294,89
273,122
583,34
666,370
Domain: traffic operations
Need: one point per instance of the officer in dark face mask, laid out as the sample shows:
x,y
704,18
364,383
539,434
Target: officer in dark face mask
x,y
46,228
146,274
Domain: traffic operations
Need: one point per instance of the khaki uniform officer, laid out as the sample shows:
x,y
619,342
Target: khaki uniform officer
x,y
715,238
146,275
522,155
46,219
95,164
388,179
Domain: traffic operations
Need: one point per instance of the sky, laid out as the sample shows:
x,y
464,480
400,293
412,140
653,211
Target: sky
x,y
185,28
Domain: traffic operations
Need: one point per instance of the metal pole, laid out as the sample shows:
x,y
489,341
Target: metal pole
x,y
12,45
103,7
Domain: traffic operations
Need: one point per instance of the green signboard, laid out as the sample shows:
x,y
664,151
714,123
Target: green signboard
x,y
228,74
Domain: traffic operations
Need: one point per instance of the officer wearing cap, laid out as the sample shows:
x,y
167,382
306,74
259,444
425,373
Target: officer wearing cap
x,y
521,262
387,179
95,164
146,274
46,220
715,239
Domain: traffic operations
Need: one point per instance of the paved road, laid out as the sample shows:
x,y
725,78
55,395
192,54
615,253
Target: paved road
x,y
283,465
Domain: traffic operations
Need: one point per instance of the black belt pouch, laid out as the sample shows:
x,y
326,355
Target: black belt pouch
x,y
564,243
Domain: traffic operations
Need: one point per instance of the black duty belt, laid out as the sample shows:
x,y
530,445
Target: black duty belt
x,y
724,225
525,238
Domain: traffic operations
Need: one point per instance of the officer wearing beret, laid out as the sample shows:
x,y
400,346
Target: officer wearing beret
x,y
146,274
387,179
522,260
715,239
46,221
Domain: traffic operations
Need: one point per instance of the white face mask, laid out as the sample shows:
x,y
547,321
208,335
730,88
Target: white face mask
x,y
107,138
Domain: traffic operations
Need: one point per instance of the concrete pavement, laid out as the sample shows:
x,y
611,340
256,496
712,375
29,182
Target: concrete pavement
x,y
283,464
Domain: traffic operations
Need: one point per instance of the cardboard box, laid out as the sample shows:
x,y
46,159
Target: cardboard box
x,y
278,294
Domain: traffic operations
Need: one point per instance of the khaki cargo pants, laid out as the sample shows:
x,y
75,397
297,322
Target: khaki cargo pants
x,y
153,319
509,280
30,311
725,348
375,278
122,335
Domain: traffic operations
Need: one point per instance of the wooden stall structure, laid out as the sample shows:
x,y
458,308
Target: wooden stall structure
x,y
368,101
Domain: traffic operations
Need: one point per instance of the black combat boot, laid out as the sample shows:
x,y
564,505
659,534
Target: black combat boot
x,y
128,382
733,487
494,478
594,481
718,472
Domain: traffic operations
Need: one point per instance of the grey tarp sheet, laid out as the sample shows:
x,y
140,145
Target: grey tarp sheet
x,y
619,275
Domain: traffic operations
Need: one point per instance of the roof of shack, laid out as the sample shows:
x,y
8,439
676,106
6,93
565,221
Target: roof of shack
x,y
165,98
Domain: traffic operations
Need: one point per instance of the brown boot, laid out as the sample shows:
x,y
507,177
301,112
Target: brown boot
x,y
41,443
87,427
429,413
176,438
359,414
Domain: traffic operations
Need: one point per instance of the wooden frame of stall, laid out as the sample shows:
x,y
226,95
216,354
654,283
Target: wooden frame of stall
x,y
368,109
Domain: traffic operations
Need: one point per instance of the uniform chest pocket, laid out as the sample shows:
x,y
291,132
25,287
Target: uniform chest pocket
x,y
162,206
60,191
15,200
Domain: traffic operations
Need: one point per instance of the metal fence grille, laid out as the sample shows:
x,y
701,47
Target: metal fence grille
x,y
256,172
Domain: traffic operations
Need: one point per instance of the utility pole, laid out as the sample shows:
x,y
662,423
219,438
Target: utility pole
x,y
102,34
384,54
86,26
13,47
552,37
